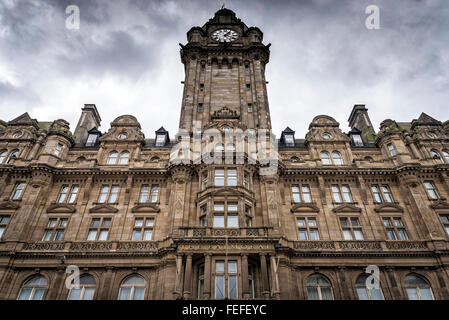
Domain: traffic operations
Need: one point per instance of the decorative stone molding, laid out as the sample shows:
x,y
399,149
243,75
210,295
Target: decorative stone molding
x,y
9,205
304,207
44,246
137,246
440,205
388,207
406,245
61,208
103,208
360,245
180,173
346,208
314,245
91,246
146,207
226,232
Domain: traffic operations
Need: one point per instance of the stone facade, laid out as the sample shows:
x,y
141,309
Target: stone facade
x,y
114,204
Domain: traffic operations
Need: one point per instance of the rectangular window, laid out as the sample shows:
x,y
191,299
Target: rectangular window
x,y
246,180
219,221
143,229
204,180
250,107
296,194
203,221
73,193
219,177
154,193
62,196
99,229
58,150
394,228
431,190
226,284
233,221
113,195
336,193
203,67
341,193
200,107
246,67
201,281
248,87
91,140
55,229
251,277
392,149
301,193
232,177
357,139
445,220
144,193
160,140
351,228
18,190
232,279
382,193
104,191
201,87
219,280
3,224
308,228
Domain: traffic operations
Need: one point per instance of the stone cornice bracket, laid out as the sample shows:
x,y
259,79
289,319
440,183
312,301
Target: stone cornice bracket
x,y
181,173
269,179
409,179
40,177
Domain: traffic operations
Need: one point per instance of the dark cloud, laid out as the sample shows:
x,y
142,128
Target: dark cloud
x,y
125,58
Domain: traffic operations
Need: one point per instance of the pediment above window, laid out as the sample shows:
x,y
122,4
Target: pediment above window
x,y
103,208
61,208
346,208
440,205
304,207
388,207
146,207
226,191
9,205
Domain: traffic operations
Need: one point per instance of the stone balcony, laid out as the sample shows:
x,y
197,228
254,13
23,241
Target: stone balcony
x,y
222,232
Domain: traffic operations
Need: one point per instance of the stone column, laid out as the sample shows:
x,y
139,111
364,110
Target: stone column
x,y
107,288
178,280
271,186
188,277
274,266
245,280
181,176
207,275
263,270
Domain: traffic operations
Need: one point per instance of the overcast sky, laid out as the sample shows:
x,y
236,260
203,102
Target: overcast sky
x,y
125,59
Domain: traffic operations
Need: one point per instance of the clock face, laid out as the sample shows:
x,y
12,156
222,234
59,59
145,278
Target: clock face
x,y
225,35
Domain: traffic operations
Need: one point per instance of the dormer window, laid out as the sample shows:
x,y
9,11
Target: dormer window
x,y
58,149
161,137
91,139
288,137
357,140
392,149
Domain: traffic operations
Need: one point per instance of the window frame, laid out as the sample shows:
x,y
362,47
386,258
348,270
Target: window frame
x,y
110,188
307,227
342,193
4,225
350,227
432,188
226,213
53,230
98,230
17,192
299,195
143,228
393,227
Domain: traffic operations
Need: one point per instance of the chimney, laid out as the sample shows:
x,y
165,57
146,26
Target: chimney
x,y
359,119
90,118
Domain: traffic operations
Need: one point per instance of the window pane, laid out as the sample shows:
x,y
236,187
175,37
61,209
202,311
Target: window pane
x,y
336,193
232,207
362,293
2,229
154,193
113,195
92,235
412,294
106,223
355,222
75,294
344,222
219,177
25,294
233,221
52,223
398,222
376,294
59,235
303,234
103,194
149,222
219,287
391,235
38,294
232,267
103,235
312,293
306,194
138,293
387,222
312,222
136,234
144,193
232,177
358,234
402,234
232,287
301,222
218,206
347,235
88,293
326,293
314,235
138,222
148,234
426,294
218,221
346,193
219,266
63,223
124,294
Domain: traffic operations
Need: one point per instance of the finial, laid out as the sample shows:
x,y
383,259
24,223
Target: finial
x,y
222,7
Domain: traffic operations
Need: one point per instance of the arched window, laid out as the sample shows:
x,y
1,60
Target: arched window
x,y
446,155
435,155
12,155
219,147
132,288
3,155
319,288
336,156
86,289
154,159
325,157
33,288
124,157
363,292
417,288
112,157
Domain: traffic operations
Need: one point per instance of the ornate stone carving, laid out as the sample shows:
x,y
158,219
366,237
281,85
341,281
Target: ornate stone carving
x,y
304,207
103,208
360,245
91,246
44,246
226,232
61,208
346,208
314,245
137,246
225,113
388,207
406,245
145,207
9,205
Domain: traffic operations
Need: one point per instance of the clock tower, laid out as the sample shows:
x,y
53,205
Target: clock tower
x,y
225,75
